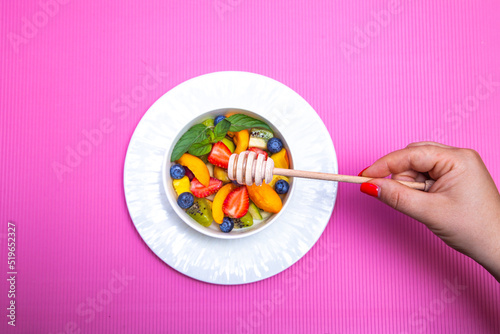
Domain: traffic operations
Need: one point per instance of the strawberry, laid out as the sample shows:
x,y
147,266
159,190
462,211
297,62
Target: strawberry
x,y
219,155
258,151
236,203
200,191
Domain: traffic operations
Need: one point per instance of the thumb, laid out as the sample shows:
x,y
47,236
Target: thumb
x,y
414,203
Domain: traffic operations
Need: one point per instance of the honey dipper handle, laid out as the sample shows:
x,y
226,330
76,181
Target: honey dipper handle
x,y
425,186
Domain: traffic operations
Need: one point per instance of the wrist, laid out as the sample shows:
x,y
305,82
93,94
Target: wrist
x,y
492,258
495,266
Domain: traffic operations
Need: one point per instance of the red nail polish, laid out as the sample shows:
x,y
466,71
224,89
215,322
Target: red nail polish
x,y
361,173
369,189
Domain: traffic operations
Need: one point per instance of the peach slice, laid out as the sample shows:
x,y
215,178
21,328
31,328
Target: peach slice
x,y
265,197
229,114
221,174
281,159
276,178
219,199
241,138
197,166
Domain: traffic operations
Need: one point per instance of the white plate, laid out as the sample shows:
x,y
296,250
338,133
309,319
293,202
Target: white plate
x,y
255,257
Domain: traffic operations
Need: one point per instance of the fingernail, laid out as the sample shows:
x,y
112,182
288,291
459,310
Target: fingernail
x,y
361,173
369,189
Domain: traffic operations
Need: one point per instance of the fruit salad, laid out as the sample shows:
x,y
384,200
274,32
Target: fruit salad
x,y
199,172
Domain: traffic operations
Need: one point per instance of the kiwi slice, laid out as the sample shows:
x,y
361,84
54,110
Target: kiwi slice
x,y
208,122
254,211
201,212
245,221
265,214
229,143
259,138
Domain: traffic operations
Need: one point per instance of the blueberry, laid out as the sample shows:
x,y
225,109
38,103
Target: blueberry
x,y
227,225
185,200
218,119
281,187
236,183
177,171
274,145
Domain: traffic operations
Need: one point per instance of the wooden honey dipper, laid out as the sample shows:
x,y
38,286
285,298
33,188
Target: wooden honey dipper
x,y
248,168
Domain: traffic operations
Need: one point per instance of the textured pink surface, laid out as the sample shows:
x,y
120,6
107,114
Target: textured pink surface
x,y
397,82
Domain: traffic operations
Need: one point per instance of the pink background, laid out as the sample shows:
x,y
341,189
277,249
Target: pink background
x,y
380,74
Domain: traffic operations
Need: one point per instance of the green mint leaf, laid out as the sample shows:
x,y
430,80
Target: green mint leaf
x,y
199,149
218,139
211,136
220,130
195,134
241,122
204,142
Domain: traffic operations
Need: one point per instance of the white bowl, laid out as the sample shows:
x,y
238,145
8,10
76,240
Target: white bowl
x,y
213,230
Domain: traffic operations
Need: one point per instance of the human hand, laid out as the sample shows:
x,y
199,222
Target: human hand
x,y
462,207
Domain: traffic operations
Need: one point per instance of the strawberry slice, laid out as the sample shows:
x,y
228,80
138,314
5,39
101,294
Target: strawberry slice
x,y
219,156
258,151
236,203
200,191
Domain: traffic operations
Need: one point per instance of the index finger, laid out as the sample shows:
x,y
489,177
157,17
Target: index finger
x,y
432,143
426,158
